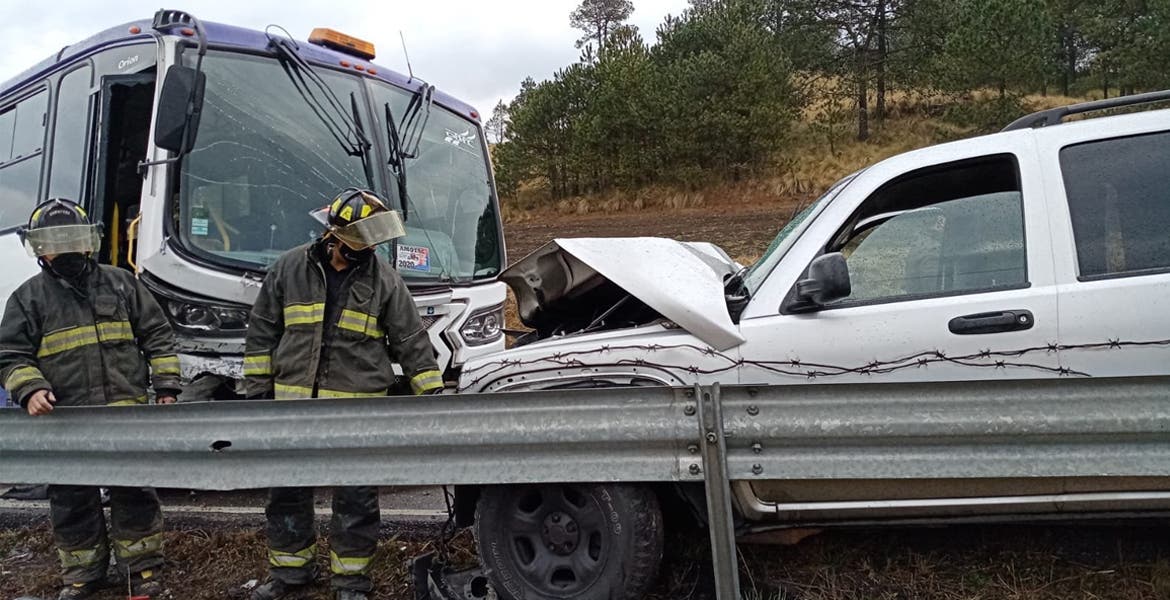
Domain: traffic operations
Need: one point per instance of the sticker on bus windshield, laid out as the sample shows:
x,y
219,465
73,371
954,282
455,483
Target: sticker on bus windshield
x,y
199,227
414,258
467,138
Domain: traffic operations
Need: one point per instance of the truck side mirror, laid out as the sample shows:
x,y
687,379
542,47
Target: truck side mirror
x,y
179,105
827,282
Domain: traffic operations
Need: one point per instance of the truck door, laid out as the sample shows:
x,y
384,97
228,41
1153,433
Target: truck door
x,y
1111,228
951,273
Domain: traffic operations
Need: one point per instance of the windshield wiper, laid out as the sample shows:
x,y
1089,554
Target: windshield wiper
x,y
345,127
600,321
363,141
405,138
414,119
397,161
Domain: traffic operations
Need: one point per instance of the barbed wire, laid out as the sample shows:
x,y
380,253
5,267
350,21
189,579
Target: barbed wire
x,y
983,359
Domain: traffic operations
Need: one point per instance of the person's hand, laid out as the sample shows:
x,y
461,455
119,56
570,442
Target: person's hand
x,y
41,403
166,400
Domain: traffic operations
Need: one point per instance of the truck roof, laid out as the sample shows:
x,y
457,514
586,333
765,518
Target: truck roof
x,y
231,37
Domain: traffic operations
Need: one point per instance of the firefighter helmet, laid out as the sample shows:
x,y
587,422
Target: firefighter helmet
x,y
360,219
60,226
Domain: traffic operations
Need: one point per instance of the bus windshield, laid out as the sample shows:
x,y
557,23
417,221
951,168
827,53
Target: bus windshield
x,y
452,226
264,159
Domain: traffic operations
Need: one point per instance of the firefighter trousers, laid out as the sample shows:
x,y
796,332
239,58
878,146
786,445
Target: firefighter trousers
x,y
353,536
79,530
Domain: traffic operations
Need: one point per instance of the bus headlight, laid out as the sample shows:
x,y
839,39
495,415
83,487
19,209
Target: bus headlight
x,y
484,326
198,316
193,318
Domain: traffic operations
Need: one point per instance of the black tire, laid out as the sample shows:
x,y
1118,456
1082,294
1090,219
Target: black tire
x,y
569,541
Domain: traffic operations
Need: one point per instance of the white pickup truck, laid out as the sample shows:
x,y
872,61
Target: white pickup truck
x,y
1042,251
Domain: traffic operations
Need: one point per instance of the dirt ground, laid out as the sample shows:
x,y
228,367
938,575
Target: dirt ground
x,y
742,232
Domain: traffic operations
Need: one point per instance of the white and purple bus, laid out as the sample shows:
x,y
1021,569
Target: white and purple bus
x,y
202,148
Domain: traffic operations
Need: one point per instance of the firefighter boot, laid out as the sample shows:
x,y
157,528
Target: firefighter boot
x,y
79,591
147,583
275,589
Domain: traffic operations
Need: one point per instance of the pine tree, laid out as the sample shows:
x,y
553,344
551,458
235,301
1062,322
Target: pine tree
x,y
598,19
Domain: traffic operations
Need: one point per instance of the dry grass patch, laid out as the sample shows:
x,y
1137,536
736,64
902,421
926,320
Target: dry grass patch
x,y
1089,562
212,565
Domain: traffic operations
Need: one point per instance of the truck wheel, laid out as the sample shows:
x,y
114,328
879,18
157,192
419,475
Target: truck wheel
x,y
569,541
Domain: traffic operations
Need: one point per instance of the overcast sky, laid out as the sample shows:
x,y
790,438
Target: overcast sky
x,y
478,51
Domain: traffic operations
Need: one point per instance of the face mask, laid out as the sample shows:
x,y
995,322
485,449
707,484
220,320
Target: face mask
x,y
356,257
70,266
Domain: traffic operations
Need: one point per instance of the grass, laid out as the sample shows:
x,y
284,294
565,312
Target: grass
x,y
207,565
1017,562
512,316
1007,562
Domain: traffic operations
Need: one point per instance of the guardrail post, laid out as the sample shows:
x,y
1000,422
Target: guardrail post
x,y
720,520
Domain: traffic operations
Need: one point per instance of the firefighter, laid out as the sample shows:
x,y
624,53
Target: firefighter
x,y
331,319
83,334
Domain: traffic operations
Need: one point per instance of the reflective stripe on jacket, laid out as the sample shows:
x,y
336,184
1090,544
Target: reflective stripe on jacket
x,y
378,325
104,344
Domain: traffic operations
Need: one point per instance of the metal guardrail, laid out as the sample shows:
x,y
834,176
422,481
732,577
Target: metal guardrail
x,y
998,429
1042,428
635,434
720,518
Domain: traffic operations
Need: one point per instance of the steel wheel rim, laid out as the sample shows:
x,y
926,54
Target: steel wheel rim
x,y
559,538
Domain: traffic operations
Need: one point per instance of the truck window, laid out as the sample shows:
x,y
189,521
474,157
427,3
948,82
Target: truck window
x,y
1119,201
22,138
947,230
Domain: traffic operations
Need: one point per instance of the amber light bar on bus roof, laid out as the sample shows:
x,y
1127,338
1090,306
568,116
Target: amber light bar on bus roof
x,y
336,40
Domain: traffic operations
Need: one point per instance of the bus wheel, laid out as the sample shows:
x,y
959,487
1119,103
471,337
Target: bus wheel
x,y
569,541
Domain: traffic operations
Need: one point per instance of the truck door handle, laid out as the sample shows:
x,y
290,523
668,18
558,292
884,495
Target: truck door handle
x,y
992,322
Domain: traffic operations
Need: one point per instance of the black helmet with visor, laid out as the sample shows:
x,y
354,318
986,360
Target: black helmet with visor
x,y
60,226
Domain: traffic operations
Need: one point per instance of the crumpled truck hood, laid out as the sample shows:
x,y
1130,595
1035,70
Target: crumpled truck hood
x,y
682,281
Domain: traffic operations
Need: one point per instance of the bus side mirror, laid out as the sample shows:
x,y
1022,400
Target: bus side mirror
x,y
827,282
179,105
